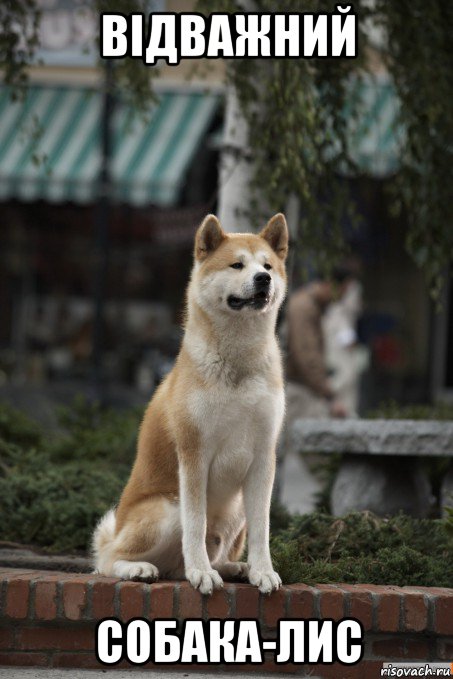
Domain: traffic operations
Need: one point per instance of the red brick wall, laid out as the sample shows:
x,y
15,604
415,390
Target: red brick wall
x,y
47,619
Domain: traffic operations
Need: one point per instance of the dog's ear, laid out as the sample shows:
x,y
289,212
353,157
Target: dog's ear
x,y
209,236
276,234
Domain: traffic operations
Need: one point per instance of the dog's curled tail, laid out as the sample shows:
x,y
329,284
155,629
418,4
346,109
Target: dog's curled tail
x,y
103,537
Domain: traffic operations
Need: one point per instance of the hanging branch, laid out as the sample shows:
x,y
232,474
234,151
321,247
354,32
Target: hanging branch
x,y
296,108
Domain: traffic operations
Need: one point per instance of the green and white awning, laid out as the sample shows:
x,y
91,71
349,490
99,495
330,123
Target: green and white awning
x,y
50,142
375,136
50,145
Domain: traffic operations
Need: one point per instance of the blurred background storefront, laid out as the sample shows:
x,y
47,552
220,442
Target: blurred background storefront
x,y
162,180
163,177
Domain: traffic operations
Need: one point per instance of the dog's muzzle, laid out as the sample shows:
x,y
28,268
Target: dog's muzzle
x,y
260,298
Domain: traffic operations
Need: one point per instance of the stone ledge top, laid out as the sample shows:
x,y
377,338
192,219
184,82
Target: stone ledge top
x,y
374,437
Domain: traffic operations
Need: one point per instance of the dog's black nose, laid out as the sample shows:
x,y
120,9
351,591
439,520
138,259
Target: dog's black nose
x,y
262,279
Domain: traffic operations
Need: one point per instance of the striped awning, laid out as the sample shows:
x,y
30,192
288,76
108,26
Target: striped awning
x,y
375,136
50,145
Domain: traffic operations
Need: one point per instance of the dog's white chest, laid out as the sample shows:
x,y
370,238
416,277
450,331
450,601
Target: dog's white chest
x,y
225,413
235,424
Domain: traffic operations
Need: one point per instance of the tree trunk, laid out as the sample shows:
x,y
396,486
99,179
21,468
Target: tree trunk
x,y
236,168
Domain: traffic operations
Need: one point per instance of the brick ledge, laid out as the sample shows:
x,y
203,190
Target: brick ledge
x,y
47,618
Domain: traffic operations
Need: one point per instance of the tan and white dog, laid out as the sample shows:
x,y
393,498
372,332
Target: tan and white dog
x,y
206,451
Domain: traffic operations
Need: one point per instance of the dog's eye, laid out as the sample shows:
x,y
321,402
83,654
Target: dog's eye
x,y
237,265
268,267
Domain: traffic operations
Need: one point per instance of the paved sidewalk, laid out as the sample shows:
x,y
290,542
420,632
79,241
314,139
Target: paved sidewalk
x,y
32,673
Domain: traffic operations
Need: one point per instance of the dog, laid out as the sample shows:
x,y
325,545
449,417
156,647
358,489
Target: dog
x,y
205,463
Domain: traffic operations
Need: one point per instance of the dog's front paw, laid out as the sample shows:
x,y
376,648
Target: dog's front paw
x,y
204,580
266,580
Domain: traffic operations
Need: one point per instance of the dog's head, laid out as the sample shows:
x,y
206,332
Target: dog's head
x,y
240,273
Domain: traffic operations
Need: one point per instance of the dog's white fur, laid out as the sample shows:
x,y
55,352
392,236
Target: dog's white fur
x,y
206,451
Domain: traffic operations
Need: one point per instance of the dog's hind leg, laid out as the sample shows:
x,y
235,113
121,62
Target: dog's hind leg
x,y
146,542
232,568
135,570
238,545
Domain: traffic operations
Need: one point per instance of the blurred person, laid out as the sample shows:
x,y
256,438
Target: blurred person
x,y
309,391
346,359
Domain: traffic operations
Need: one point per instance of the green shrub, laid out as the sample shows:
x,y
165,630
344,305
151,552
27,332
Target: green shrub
x,y
392,410
361,547
93,433
54,506
16,427
53,490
